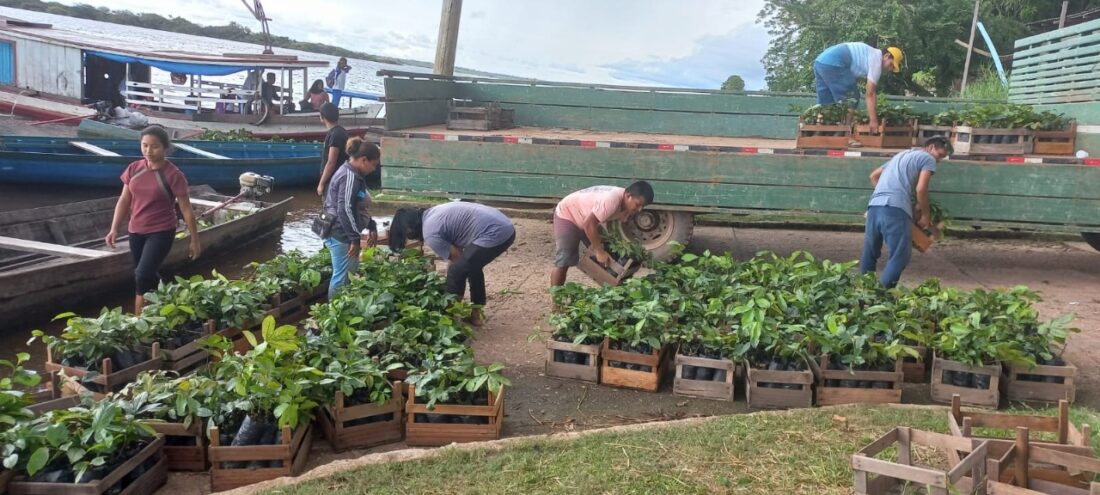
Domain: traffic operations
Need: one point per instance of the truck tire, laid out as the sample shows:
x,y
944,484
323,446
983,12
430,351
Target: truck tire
x,y
656,229
1093,238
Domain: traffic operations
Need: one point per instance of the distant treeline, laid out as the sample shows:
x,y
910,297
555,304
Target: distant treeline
x,y
231,31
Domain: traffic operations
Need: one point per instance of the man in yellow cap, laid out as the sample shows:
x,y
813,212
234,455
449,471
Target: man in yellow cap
x,y
837,68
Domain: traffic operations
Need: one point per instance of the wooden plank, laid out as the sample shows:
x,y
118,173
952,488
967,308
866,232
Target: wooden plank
x,y
1038,454
751,197
880,444
1055,46
230,206
398,89
197,151
916,474
1045,180
1055,35
50,249
91,148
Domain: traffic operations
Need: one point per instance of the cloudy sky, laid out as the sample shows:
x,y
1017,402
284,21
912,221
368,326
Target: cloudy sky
x,y
688,43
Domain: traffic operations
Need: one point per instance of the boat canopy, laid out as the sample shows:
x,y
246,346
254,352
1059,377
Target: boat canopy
x,y
180,67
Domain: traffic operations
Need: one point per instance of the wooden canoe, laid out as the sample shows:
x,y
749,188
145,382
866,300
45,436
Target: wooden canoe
x,y
100,162
66,261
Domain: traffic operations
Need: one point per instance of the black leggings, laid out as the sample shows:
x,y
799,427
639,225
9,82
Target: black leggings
x,y
149,251
469,267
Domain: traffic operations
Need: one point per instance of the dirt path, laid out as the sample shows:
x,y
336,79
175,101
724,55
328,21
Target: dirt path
x,y
1066,275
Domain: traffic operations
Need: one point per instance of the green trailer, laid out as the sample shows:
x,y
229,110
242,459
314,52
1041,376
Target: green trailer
x,y
710,151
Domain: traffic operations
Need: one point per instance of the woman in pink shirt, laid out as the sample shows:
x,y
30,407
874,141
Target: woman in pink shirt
x,y
151,189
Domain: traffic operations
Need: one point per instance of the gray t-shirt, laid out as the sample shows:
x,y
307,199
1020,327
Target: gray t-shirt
x,y
463,224
899,179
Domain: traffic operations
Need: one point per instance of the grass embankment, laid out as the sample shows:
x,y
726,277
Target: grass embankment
x,y
799,451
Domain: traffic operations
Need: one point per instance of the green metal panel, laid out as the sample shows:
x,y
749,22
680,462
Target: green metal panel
x,y
1017,180
652,121
420,89
1084,27
989,192
406,114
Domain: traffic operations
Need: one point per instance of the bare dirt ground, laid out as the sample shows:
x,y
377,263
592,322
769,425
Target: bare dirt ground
x,y
1066,274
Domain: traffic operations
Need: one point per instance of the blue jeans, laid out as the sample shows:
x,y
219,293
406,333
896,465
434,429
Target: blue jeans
x,y
336,95
890,224
834,84
342,264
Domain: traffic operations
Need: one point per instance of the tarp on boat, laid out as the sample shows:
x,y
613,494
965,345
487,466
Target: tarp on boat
x,y
197,69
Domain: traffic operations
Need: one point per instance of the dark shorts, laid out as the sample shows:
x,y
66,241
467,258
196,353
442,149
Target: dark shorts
x,y
567,242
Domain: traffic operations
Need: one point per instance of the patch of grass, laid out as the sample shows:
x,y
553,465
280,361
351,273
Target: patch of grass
x,y
986,85
800,451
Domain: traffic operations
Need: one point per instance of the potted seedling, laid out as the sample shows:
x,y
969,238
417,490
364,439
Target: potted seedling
x,y
860,357
824,126
897,126
573,349
452,399
633,348
14,402
102,354
995,129
363,408
1052,378
936,125
298,279
1055,135
93,449
177,407
626,257
267,412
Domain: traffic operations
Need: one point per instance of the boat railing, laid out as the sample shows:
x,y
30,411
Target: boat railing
x,y
188,98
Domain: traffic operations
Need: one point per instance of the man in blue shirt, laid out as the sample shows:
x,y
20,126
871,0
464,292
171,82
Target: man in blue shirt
x,y
890,212
836,70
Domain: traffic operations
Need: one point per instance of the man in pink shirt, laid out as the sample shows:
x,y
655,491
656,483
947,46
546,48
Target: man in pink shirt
x,y
579,215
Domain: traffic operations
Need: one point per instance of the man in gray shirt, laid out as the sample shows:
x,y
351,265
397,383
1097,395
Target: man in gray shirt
x,y
467,235
890,212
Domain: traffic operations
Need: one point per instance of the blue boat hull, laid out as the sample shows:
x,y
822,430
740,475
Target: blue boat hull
x,y
53,161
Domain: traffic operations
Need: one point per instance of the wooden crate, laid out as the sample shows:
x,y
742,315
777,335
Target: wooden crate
x,y
589,372
1056,142
108,379
148,482
477,117
293,452
896,136
816,136
648,381
830,395
183,457
613,274
704,389
942,392
1038,391
880,477
296,309
926,132
187,357
964,137
421,434
916,370
334,421
1030,468
922,241
1067,437
762,397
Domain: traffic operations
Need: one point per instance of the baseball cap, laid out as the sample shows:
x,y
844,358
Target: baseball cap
x,y
896,52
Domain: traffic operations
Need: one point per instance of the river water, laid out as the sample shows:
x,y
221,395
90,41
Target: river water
x,y
363,76
294,235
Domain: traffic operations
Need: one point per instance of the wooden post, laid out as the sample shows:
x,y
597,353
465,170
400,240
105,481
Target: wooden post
x,y
970,46
1062,18
447,44
905,446
1063,422
1021,456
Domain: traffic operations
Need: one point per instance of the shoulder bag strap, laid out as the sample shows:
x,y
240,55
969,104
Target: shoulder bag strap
x,y
164,185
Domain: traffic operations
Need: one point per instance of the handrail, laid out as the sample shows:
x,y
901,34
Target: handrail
x,y
653,89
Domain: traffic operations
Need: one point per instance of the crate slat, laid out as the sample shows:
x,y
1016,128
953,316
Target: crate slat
x,y
419,434
705,389
589,372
